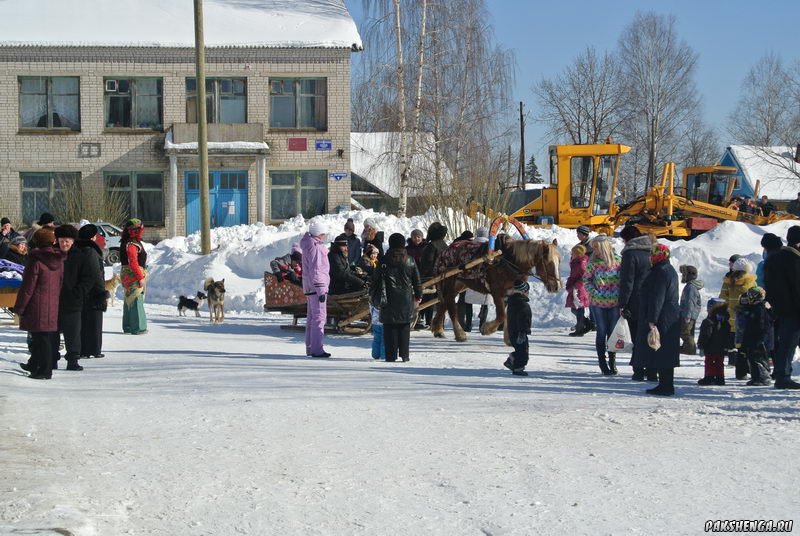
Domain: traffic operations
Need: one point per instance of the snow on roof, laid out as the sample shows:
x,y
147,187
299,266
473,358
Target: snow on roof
x,y
375,156
773,166
239,147
170,23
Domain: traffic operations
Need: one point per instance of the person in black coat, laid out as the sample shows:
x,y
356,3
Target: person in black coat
x,y
97,299
427,264
17,251
714,337
633,270
782,282
81,275
397,292
519,327
660,309
343,280
754,334
353,242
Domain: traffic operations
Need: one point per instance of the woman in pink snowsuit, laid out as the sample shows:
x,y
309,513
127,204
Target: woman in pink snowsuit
x,y
316,280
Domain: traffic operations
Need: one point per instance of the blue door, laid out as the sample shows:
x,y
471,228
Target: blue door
x,y
227,196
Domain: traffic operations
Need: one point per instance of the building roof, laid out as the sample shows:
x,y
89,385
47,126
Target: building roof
x,y
773,166
170,23
375,156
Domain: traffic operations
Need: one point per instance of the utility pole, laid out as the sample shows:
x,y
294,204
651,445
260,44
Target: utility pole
x,y
202,137
521,172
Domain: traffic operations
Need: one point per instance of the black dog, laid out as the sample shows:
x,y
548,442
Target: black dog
x,y
185,303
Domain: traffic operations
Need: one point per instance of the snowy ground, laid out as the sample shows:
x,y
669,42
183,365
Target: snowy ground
x,y
215,430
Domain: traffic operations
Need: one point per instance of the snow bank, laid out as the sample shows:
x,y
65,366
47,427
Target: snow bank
x,y
241,254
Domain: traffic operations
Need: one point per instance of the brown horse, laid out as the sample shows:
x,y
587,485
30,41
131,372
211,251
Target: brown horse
x,y
517,259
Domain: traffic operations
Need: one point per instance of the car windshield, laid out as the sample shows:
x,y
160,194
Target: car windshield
x,y
110,230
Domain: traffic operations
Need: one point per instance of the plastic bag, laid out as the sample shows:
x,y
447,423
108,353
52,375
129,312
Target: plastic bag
x,y
620,339
654,339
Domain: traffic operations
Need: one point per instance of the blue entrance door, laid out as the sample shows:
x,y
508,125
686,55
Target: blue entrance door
x,y
227,196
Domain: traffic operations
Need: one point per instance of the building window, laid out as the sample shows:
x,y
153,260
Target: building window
x,y
134,103
142,193
226,100
297,192
56,193
49,102
299,103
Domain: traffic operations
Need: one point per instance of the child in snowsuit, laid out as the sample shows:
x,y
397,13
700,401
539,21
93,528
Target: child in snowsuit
x,y
577,297
754,334
714,335
735,283
690,305
518,321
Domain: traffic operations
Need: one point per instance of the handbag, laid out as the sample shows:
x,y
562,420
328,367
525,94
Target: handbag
x,y
654,338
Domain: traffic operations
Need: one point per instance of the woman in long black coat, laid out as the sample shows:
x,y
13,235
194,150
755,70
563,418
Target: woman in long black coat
x,y
96,301
399,279
659,308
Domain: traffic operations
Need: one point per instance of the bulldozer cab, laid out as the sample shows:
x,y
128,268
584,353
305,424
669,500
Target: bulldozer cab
x,y
709,184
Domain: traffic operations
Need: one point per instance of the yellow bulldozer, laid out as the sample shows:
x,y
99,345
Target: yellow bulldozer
x,y
582,192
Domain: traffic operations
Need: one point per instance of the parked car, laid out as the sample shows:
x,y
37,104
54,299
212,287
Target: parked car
x,y
108,238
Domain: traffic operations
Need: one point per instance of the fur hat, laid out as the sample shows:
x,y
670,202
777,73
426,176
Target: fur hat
x,y
733,258
584,230
659,252
44,237
340,240
4,221
317,228
521,286
370,222
466,235
688,271
46,218
715,302
793,235
629,232
397,241
369,249
87,232
349,225
743,265
66,231
482,232
771,241
753,296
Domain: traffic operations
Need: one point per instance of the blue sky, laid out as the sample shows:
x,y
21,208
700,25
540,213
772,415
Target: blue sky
x,y
729,37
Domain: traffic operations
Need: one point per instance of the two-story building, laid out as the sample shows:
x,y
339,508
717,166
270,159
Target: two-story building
x,y
98,107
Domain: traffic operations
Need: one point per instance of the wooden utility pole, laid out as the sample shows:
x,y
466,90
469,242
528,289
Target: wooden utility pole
x,y
521,173
202,137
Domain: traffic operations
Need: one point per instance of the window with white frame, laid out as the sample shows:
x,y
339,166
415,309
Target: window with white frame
x,y
300,103
226,100
54,192
134,103
297,192
142,192
50,102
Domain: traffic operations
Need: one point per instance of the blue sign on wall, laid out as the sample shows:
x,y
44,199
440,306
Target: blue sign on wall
x,y
323,145
338,176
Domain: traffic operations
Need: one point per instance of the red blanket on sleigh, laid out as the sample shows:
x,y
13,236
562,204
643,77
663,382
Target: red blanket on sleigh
x,y
460,253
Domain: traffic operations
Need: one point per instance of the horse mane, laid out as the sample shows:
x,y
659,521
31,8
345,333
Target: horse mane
x,y
524,252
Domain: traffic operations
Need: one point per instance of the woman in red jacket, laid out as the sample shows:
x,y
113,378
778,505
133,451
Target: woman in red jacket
x,y
133,275
37,302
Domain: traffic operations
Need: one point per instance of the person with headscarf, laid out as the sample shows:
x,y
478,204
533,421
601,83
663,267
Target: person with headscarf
x,y
316,284
633,270
397,291
133,276
660,311
96,302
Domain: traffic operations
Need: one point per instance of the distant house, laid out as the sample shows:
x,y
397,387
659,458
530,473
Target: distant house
x,y
375,171
99,97
774,167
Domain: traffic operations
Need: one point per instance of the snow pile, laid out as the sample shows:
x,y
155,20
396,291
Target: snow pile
x,y
241,254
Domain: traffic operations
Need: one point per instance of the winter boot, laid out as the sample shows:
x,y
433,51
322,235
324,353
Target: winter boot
x,y
638,374
509,363
707,380
601,360
72,364
612,363
719,380
665,385
519,372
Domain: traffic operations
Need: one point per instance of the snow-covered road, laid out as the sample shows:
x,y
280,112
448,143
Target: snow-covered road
x,y
196,429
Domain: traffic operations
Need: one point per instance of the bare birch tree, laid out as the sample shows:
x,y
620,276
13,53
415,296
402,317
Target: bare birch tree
x,y
660,93
700,145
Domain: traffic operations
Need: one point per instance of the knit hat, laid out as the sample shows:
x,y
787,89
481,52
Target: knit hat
x,y
733,258
793,235
370,222
397,241
66,231
743,265
19,239
317,228
417,232
46,218
521,286
482,232
688,271
87,232
133,223
349,225
584,230
296,248
43,238
659,252
340,240
4,221
771,241
752,296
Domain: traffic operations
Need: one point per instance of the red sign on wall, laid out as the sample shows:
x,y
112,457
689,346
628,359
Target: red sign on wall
x,y
298,144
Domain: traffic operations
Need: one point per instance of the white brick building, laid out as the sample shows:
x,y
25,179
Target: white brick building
x,y
104,103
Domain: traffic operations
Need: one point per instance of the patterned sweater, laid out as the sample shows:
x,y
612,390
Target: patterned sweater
x,y
602,282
